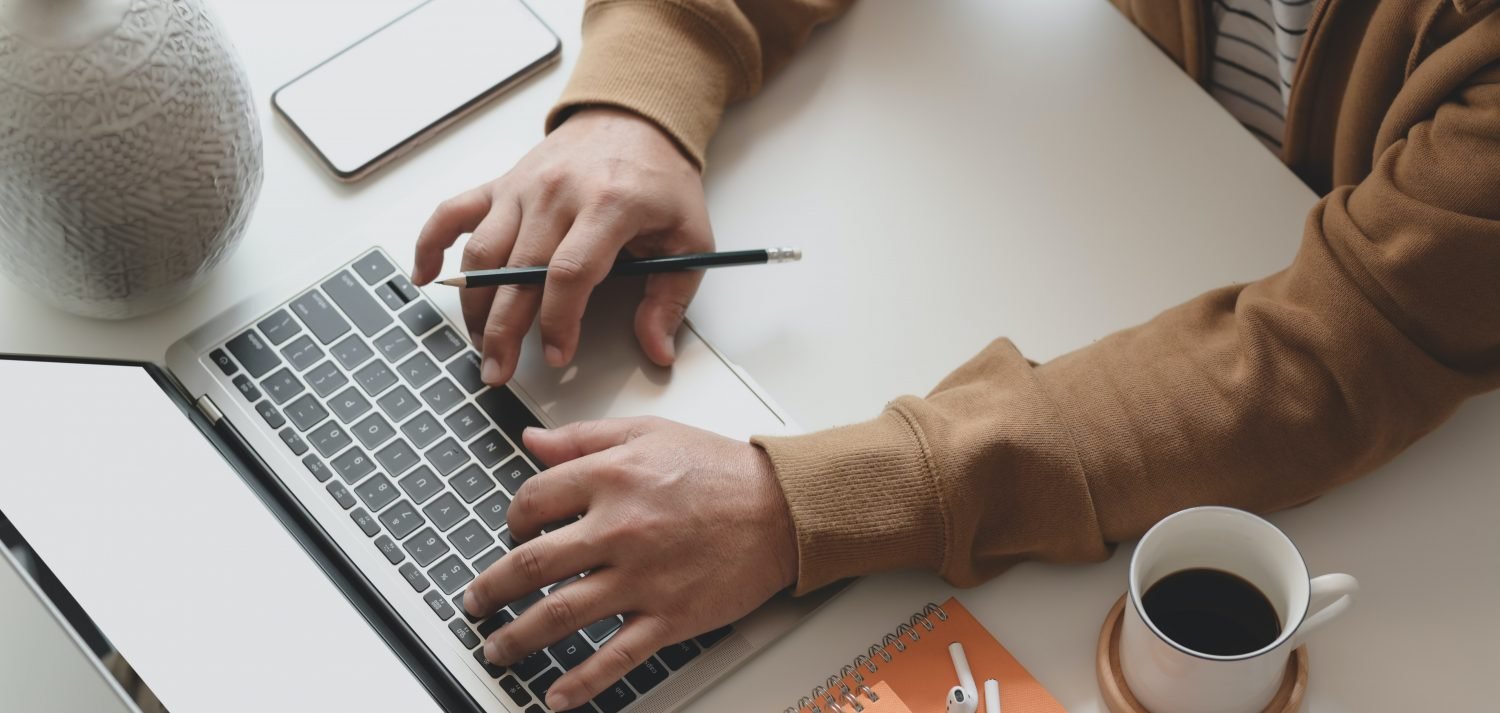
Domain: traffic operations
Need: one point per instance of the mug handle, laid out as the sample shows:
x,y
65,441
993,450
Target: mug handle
x,y
1331,595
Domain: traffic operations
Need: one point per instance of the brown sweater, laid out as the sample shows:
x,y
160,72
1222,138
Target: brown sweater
x,y
1259,396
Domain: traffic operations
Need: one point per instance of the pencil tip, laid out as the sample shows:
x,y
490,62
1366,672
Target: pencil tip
x,y
452,282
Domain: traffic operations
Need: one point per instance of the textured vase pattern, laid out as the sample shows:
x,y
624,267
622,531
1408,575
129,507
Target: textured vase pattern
x,y
129,165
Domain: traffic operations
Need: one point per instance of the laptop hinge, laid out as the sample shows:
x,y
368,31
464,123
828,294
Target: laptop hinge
x,y
206,407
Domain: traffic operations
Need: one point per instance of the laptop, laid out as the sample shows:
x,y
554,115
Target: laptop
x,y
284,517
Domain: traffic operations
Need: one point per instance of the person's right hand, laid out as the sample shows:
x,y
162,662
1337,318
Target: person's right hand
x,y
605,181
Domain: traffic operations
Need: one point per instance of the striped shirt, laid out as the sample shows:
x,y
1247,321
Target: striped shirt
x,y
1256,44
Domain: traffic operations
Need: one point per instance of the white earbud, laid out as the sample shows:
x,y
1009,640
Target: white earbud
x,y
991,696
963,698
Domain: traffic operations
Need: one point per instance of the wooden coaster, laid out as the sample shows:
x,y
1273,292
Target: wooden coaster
x,y
1119,699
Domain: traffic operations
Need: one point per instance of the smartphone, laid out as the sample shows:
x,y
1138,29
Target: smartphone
x,y
401,85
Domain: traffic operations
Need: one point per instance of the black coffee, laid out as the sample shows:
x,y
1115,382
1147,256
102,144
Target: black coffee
x,y
1212,612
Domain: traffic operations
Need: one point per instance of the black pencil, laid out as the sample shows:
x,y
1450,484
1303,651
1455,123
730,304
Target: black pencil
x,y
643,266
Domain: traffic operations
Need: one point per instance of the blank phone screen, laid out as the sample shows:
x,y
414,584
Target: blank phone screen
x,y
427,65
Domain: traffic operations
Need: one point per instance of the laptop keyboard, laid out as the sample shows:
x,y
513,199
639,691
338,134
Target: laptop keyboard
x,y
368,385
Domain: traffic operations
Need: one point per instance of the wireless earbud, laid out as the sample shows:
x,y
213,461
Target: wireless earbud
x,y
992,696
963,698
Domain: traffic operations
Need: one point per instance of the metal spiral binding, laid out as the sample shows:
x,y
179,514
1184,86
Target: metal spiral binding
x,y
837,696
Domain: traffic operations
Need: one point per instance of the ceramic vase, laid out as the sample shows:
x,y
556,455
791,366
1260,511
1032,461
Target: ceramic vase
x,y
130,152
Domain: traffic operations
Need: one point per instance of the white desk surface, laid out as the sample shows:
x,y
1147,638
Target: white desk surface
x,y
955,171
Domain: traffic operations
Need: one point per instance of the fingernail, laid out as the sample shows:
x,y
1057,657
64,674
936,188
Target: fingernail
x,y
558,702
476,338
554,355
470,606
492,653
490,373
534,431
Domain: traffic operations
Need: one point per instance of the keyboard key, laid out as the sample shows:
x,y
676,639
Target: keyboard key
x,y
320,317
543,683
447,456
647,675
445,512
293,441
422,484
514,473
420,317
426,546
600,630
491,669
571,651
325,378
352,352
306,412
465,371
387,295
451,574
396,458
394,344
279,327
373,431
507,412
678,655
615,698
374,378
444,343
330,438
373,267
377,492
401,519
302,352
357,303
484,561
466,422
534,709
422,430
222,360
317,468
353,465
349,404
418,370
404,288
442,396
519,606
471,483
490,448
398,404
533,664
341,495
247,388
254,354
493,624
390,549
507,540
438,604
282,386
714,637
270,414
366,522
514,689
466,636
470,538
414,577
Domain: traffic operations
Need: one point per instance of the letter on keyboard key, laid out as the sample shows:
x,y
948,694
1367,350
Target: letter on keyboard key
x,y
490,449
493,509
401,519
615,698
647,675
377,492
451,574
426,546
253,353
420,317
422,484
515,473
356,302
447,456
320,317
445,512
470,538
398,403
422,430
571,651
466,422
373,267
349,404
279,327
396,458
373,431
465,371
472,483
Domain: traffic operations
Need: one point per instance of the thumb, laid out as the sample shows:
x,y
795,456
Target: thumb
x,y
661,312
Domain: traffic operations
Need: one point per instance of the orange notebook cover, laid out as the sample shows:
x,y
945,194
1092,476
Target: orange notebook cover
x,y
910,670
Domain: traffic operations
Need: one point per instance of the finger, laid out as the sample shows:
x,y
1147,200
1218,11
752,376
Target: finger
x,y
579,265
566,610
556,446
551,496
662,310
488,248
546,560
628,648
515,306
453,217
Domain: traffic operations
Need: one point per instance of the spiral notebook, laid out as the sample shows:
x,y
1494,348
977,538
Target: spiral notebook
x,y
910,670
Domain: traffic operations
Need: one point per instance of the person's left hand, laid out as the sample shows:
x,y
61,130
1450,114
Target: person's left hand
x,y
682,531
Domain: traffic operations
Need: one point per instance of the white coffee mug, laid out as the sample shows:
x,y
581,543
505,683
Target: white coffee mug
x,y
1167,677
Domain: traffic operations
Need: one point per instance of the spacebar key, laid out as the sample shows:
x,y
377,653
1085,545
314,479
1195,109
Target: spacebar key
x,y
357,302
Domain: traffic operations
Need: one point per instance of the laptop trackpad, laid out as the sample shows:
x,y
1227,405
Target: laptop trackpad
x,y
177,562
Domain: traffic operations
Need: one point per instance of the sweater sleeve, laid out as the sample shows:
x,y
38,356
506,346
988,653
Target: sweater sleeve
x,y
680,62
1259,396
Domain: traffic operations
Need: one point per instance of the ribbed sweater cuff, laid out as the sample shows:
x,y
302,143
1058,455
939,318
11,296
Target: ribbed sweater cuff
x,y
862,500
658,59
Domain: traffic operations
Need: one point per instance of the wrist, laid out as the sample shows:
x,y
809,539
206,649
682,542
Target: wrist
x,y
781,530
627,125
